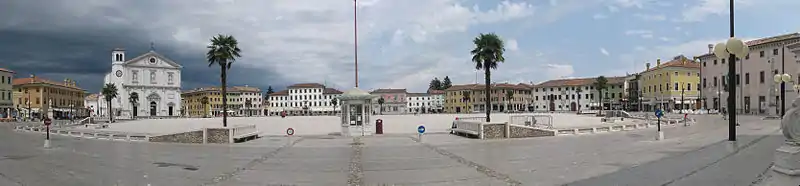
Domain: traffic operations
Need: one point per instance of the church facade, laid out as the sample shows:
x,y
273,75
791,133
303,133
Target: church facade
x,y
154,79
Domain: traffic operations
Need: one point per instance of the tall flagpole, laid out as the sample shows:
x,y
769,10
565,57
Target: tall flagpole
x,y
355,36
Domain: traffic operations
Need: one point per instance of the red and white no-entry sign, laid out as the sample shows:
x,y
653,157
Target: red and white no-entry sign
x,y
290,131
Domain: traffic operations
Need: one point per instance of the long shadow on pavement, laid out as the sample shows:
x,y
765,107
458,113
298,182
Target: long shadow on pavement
x,y
721,163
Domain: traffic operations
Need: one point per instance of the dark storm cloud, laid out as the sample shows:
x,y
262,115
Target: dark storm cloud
x,y
38,38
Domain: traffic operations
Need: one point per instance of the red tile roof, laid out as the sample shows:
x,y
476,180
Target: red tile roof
x,y
306,85
578,82
679,61
494,86
435,91
388,91
331,91
36,80
6,70
765,40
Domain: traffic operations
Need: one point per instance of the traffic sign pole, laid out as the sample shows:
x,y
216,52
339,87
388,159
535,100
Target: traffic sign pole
x,y
659,114
420,131
47,123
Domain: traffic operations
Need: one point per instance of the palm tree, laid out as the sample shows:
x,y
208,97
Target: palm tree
x,y
601,84
579,90
109,92
204,101
134,100
334,102
487,54
509,97
380,102
223,50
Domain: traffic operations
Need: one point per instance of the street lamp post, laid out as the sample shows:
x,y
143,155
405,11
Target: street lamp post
x,y
782,79
731,49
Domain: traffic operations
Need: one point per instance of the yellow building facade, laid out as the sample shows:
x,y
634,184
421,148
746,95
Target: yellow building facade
x,y
673,85
471,98
37,98
237,101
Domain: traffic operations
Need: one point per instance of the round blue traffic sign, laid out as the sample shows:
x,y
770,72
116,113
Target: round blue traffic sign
x,y
659,113
421,129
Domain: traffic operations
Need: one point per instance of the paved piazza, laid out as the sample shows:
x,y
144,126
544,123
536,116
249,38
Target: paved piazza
x,y
324,125
694,155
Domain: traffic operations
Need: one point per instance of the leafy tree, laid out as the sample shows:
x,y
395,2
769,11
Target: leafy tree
x,y
223,50
109,91
380,102
247,105
134,100
204,101
579,90
334,102
509,97
435,84
488,52
447,83
601,83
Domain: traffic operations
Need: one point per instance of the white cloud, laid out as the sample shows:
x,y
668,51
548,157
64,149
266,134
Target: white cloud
x,y
638,32
612,8
647,17
555,71
604,51
599,16
664,38
696,13
512,45
630,3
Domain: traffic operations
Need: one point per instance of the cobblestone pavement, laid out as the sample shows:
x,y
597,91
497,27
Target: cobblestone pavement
x,y
694,155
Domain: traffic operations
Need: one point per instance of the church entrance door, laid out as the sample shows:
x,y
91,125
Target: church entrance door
x,y
135,113
170,111
152,108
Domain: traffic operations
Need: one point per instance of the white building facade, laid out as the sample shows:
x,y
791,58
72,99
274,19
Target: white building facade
x,y
6,101
154,78
419,102
305,99
577,94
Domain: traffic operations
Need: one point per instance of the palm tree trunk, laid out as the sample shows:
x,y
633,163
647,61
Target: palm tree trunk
x,y
601,101
488,101
223,78
110,116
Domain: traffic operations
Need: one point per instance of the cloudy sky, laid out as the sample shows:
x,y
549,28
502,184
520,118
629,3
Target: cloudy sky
x,y
402,43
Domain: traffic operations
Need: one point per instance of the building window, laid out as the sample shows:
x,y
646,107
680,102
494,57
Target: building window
x,y
775,51
761,54
676,86
152,77
723,61
746,78
715,62
688,86
704,83
170,78
738,79
715,81
676,73
135,77
704,64
761,77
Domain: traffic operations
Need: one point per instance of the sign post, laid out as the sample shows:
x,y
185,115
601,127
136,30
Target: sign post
x,y
47,123
420,130
659,114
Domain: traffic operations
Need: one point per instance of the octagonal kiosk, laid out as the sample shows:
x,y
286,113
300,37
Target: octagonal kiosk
x,y
355,107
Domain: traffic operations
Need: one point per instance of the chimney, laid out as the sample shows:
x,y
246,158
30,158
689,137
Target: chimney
x,y
658,62
647,65
33,78
710,48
